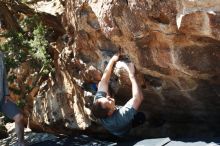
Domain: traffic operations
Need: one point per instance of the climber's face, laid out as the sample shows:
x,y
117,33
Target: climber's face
x,y
108,103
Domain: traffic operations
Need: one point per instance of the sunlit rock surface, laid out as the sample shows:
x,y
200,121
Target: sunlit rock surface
x,y
175,46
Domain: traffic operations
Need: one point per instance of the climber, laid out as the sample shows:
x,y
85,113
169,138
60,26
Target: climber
x,y
117,121
8,107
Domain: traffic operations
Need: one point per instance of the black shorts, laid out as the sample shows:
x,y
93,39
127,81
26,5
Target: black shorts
x,y
9,109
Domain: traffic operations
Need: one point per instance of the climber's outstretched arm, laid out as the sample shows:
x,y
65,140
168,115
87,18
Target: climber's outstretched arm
x,y
137,95
103,84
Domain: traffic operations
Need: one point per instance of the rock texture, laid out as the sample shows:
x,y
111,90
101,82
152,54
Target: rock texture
x,y
30,137
175,46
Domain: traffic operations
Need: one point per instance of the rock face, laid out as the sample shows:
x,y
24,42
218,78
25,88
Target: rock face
x,y
175,46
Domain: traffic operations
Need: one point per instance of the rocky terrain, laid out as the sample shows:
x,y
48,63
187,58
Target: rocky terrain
x,y
174,44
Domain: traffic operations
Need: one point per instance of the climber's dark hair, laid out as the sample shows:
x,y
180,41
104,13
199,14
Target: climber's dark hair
x,y
98,111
